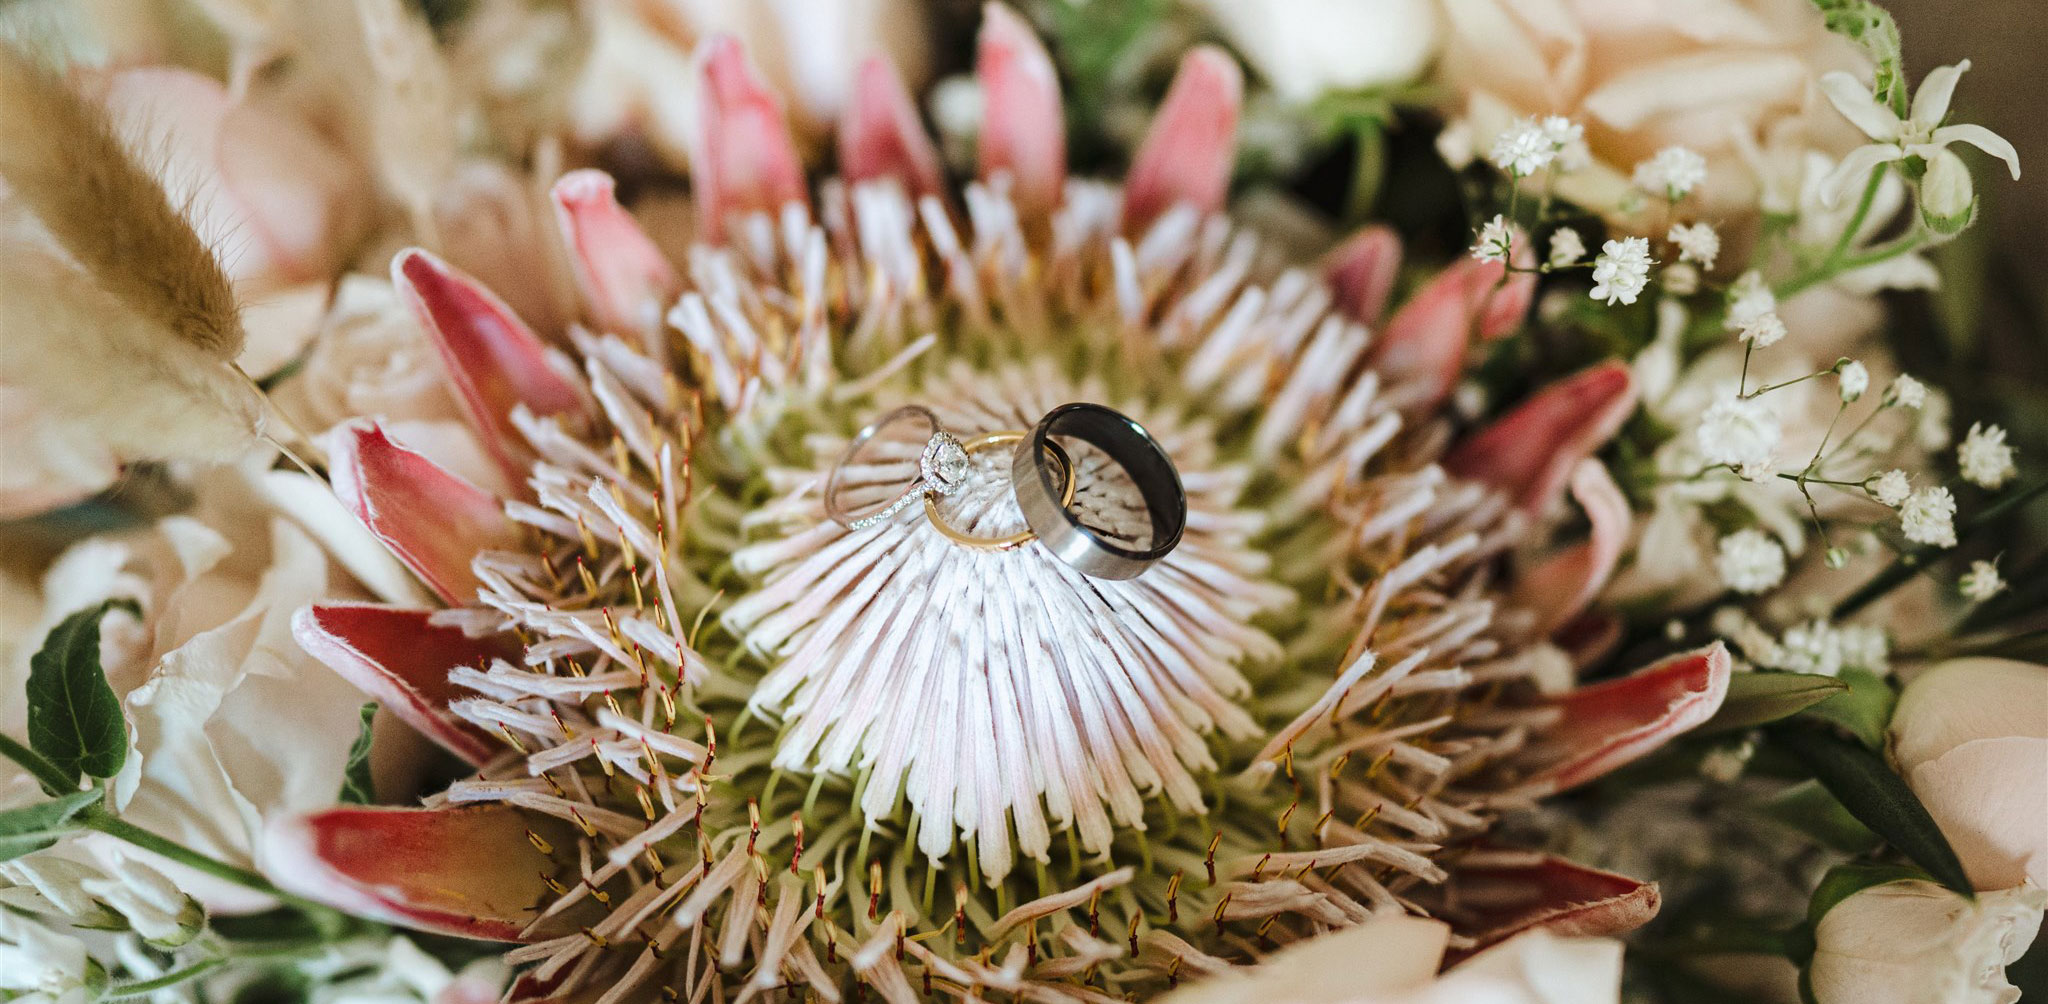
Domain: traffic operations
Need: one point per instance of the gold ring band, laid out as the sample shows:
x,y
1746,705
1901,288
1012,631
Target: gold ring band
x,y
1022,537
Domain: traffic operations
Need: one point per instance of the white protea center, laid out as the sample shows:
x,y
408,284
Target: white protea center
x,y
978,683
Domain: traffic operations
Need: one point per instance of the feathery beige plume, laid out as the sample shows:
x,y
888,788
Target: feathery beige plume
x,y
111,309
61,157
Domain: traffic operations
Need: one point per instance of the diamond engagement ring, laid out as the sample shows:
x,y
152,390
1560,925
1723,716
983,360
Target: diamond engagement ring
x,y
942,469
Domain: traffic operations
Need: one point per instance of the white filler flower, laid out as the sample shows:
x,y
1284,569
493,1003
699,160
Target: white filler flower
x,y
1566,247
1622,270
1495,240
1929,517
1738,431
1750,561
1890,488
1984,457
1763,331
1523,149
1696,242
1672,173
1981,582
1906,392
1855,379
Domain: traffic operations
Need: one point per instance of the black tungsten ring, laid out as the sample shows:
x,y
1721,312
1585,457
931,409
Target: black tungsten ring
x,y
1038,489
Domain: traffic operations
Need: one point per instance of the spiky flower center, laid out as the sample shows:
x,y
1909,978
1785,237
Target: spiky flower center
x,y
816,754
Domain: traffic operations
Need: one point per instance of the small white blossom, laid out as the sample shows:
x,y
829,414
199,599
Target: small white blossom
x,y
1496,237
1932,433
1813,647
1749,636
1763,331
1681,279
1750,561
1890,488
1672,173
1749,298
39,964
1738,431
1569,138
1981,582
1865,647
1920,134
1566,247
1984,457
1854,379
1906,392
1724,763
1622,270
1523,149
1929,517
1696,243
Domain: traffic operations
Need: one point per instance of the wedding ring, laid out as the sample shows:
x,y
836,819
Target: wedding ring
x,y
1048,510
942,469
1022,537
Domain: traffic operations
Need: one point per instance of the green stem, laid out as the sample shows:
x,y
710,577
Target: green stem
x,y
170,979
101,820
1862,213
52,779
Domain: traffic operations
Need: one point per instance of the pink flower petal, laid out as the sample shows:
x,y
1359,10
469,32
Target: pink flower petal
x,y
1188,152
1361,273
742,159
492,356
432,520
1427,338
1564,584
1532,450
1588,638
622,274
1610,724
469,871
1494,895
882,137
1023,133
396,656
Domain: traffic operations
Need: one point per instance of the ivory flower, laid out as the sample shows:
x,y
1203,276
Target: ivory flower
x,y
1919,134
1971,738
1394,960
1915,942
1984,457
208,677
1304,48
1717,79
42,966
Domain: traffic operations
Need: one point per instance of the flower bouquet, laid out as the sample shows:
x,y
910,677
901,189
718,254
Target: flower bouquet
x,y
635,501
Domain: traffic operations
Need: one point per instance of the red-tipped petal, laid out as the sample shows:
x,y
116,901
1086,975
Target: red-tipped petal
x,y
1562,586
1495,895
396,656
432,520
467,871
622,274
1531,451
1023,133
1361,273
1187,154
741,156
882,136
493,357
1610,724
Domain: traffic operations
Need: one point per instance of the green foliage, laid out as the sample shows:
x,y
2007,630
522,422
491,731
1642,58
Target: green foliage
x,y
1761,698
1876,796
1863,709
1810,809
74,719
34,827
357,786
1872,28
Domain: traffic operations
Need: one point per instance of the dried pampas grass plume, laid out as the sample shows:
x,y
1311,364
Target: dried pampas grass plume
x,y
62,158
115,313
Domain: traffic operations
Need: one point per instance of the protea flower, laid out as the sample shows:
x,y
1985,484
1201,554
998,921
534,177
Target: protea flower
x,y
723,744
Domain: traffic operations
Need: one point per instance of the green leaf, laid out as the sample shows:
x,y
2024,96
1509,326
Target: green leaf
x,y
357,787
1875,795
74,719
1844,881
1864,709
34,827
1808,808
1761,698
